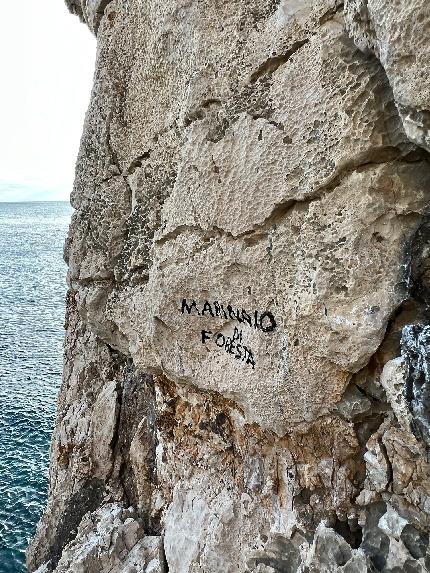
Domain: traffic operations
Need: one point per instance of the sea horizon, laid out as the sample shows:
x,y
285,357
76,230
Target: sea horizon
x,y
27,193
35,201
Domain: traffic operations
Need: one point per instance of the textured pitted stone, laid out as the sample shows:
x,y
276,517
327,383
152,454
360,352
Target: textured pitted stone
x,y
328,323
397,32
250,238
394,383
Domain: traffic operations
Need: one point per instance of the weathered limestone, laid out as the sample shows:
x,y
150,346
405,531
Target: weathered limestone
x,y
397,32
246,361
110,540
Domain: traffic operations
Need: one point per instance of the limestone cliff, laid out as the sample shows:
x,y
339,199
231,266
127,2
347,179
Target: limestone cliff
x,y
246,381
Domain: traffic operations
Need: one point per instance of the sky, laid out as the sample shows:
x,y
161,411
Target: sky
x,y
47,61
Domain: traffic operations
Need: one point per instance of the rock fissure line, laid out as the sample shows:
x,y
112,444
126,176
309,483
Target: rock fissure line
x,y
327,16
281,210
269,66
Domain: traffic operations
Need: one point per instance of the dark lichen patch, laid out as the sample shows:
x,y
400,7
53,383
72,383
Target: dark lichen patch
x,y
416,541
416,353
88,498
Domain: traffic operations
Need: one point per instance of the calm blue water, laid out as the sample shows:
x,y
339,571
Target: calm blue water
x,y
32,291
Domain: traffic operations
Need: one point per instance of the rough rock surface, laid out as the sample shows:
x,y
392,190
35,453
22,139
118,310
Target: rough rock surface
x,y
246,382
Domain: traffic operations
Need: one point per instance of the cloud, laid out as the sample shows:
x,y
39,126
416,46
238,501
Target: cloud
x,y
46,68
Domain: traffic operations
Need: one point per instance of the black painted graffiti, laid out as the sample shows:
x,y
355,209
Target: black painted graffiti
x,y
264,321
233,345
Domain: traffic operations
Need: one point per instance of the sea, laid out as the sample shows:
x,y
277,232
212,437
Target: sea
x,y
32,306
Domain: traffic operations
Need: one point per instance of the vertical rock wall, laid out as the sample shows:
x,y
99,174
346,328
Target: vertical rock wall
x,y
246,383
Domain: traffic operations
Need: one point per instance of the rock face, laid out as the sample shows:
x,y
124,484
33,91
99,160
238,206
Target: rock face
x,y
246,382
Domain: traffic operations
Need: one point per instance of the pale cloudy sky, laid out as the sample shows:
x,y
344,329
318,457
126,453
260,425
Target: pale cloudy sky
x,y
46,64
